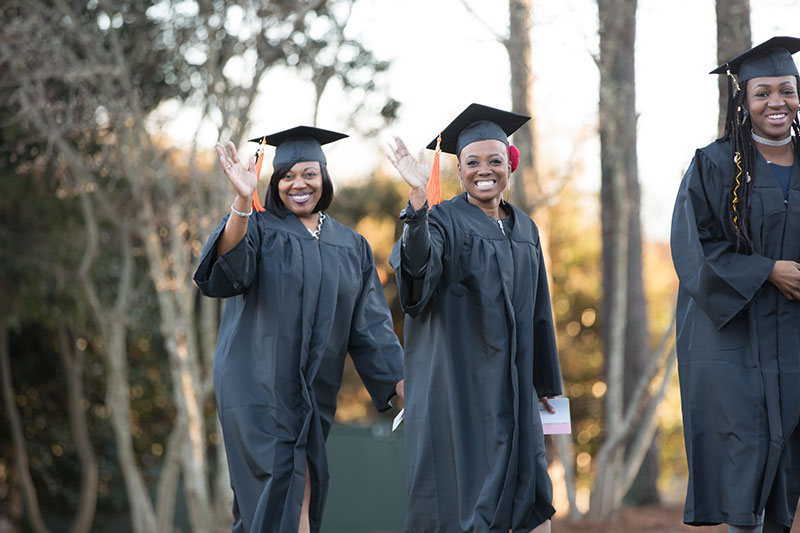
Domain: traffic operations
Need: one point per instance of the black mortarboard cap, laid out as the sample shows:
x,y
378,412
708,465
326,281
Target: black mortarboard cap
x,y
301,143
479,123
769,59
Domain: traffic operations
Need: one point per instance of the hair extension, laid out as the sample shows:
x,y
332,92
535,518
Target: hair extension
x,y
738,130
796,124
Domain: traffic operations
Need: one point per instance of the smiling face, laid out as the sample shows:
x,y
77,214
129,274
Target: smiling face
x,y
301,188
484,168
772,103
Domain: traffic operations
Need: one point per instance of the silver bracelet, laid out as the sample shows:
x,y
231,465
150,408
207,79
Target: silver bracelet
x,y
241,213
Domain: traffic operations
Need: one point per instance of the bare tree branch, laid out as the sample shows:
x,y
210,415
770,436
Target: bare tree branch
x,y
645,432
499,38
17,435
168,481
73,367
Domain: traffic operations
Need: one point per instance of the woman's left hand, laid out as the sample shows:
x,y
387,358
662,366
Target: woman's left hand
x,y
399,390
547,407
785,276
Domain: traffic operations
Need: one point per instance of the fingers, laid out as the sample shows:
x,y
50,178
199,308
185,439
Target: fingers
x,y
388,151
234,154
224,159
251,164
547,407
401,146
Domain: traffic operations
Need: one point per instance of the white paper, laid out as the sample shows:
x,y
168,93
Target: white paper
x,y
398,419
558,422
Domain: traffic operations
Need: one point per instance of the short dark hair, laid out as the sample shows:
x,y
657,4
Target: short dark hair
x,y
273,200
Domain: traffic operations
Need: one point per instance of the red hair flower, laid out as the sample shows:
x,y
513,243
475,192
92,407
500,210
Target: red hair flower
x,y
513,156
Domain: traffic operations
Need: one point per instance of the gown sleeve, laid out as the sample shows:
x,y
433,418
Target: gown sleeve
x,y
546,369
418,259
232,273
373,345
721,281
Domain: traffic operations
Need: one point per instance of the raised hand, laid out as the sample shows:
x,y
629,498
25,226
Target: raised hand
x,y
413,171
244,180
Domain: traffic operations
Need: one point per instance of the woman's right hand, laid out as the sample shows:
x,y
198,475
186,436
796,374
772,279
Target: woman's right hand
x,y
786,276
244,180
413,171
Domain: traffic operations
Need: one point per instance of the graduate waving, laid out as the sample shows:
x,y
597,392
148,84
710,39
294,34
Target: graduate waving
x,y
480,348
302,292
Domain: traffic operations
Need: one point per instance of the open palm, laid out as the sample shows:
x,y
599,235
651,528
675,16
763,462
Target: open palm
x,y
413,171
244,180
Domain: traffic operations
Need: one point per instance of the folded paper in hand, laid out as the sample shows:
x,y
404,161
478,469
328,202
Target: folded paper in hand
x,y
557,423
553,424
398,419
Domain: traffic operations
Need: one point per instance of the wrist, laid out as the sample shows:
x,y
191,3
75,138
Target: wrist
x,y
242,203
243,214
417,196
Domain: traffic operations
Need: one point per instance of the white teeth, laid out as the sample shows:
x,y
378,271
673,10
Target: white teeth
x,y
301,197
779,115
485,184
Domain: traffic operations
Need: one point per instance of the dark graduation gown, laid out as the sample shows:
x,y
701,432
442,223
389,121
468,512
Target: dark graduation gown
x,y
480,350
295,307
738,341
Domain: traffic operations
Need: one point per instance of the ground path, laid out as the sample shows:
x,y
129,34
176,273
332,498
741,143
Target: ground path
x,y
647,519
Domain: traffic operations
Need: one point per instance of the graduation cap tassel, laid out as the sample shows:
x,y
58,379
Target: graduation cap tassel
x,y
256,202
434,181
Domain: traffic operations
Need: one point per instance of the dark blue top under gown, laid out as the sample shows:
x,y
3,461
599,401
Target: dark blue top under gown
x,y
294,308
480,350
738,341
783,174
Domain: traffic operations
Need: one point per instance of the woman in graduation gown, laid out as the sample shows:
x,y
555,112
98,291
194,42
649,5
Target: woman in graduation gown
x,y
301,291
736,249
480,345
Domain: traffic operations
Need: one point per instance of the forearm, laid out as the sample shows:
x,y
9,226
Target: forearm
x,y
416,245
235,227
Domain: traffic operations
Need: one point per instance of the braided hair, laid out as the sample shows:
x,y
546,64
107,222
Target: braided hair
x,y
739,129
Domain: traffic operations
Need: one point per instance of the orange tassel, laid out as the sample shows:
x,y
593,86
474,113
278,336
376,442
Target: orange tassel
x,y
259,159
434,181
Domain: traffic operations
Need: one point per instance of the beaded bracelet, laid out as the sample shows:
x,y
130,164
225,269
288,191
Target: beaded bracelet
x,y
241,213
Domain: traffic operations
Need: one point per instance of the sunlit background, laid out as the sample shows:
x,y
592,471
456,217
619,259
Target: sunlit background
x,y
441,57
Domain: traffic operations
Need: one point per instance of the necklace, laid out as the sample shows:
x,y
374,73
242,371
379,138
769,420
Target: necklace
x,y
770,142
315,233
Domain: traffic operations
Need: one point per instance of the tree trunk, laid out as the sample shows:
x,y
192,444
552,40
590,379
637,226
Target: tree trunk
x,y
518,46
733,38
176,310
111,322
73,370
625,329
118,401
222,492
17,435
168,480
